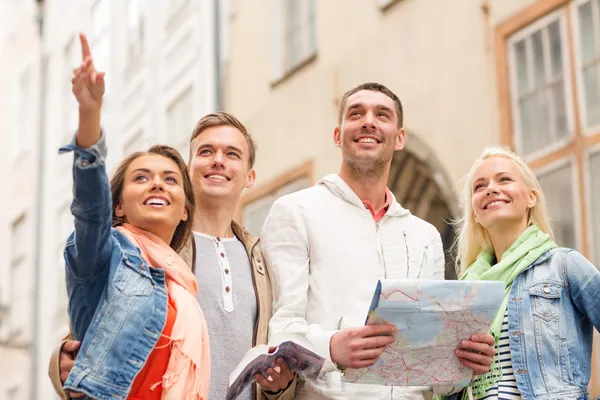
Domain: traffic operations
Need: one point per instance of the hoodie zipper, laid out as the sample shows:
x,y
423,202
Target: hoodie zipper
x,y
380,250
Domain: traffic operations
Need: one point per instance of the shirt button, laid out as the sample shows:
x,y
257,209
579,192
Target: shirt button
x,y
227,289
85,163
226,271
218,239
222,255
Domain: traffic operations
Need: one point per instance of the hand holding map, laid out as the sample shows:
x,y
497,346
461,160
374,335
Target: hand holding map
x,y
432,318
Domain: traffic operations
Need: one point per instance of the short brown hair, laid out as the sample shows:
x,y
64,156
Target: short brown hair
x,y
222,118
374,87
184,230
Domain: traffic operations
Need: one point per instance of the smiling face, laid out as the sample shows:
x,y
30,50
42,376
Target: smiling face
x,y
153,196
369,132
220,165
500,196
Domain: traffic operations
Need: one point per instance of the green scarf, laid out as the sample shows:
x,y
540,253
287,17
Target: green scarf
x,y
528,247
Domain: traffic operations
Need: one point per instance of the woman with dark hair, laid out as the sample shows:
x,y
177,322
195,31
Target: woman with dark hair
x,y
132,299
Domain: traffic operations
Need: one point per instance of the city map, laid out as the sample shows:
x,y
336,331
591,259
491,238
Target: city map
x,y
432,318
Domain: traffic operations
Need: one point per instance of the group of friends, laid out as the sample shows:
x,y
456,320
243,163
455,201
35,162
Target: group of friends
x,y
167,292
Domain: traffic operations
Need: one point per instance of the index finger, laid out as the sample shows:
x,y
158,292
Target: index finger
x,y
85,46
379,329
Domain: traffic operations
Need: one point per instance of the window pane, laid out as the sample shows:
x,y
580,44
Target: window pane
x,y
560,112
595,203
521,65
539,76
555,48
586,32
591,85
558,190
540,82
527,112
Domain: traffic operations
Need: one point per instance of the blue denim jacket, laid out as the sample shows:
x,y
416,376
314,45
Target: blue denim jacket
x,y
117,301
552,309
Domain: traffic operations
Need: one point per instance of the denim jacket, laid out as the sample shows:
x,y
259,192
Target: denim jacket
x,y
552,310
117,301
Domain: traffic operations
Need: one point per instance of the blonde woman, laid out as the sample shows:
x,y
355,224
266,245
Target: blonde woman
x,y
544,327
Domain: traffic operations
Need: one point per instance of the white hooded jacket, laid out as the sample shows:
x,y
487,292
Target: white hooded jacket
x,y
325,253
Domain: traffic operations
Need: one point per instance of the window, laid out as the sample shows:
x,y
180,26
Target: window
x,y
538,81
135,29
135,143
294,34
557,185
539,109
180,121
19,316
257,204
594,170
588,36
23,125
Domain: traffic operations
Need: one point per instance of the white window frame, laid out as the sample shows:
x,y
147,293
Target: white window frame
x,y
526,32
587,178
587,131
558,164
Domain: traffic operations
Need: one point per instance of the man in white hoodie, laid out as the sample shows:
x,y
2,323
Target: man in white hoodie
x,y
327,246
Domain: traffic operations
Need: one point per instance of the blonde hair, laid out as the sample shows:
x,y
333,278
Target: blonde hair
x,y
472,238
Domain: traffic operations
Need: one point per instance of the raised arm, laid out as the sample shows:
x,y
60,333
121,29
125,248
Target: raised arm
x,y
88,248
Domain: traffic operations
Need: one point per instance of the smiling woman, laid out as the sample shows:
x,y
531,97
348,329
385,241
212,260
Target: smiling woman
x,y
550,301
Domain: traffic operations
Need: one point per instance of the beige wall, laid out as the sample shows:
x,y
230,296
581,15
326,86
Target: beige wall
x,y
443,75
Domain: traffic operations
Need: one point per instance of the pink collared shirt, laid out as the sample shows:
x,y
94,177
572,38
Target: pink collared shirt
x,y
381,212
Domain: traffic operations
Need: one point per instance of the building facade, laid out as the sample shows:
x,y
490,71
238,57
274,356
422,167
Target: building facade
x,y
161,61
471,74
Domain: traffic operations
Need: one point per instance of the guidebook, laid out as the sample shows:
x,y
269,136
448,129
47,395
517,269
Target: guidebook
x,y
295,350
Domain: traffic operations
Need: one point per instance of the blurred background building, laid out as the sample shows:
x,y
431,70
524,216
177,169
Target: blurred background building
x,y
470,74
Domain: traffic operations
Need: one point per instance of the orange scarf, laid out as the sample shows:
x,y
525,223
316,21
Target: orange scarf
x,y
188,373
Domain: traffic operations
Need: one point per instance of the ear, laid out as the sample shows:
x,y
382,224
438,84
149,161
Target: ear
x,y
250,179
531,199
337,136
399,140
119,212
185,215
